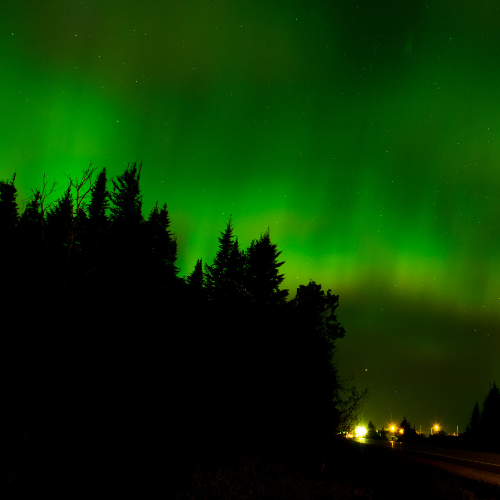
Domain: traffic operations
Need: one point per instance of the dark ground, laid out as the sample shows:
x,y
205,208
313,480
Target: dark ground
x,y
354,471
30,463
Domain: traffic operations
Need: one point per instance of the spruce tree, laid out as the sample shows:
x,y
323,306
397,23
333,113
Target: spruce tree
x,y
13,278
99,202
196,280
490,416
163,246
473,429
371,431
236,269
10,241
9,217
59,221
96,243
36,254
225,277
30,223
262,273
126,201
127,229
98,223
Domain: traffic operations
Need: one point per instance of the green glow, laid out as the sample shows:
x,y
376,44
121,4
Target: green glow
x,y
376,170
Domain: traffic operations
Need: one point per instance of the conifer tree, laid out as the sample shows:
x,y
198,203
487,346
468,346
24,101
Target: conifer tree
x,y
408,433
372,432
97,240
98,223
10,255
127,229
59,221
162,245
262,273
9,217
30,225
99,202
126,201
236,268
32,228
196,280
473,429
490,416
77,234
224,278
10,241
37,259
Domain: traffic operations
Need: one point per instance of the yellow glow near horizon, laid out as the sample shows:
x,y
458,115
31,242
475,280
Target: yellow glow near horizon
x,y
360,432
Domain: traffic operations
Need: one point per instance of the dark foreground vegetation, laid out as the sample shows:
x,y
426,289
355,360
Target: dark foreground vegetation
x,y
350,471
483,431
117,372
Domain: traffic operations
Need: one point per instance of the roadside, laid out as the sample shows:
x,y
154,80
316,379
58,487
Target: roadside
x,y
354,471
351,471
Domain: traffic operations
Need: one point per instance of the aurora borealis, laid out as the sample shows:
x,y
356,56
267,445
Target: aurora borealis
x,y
365,134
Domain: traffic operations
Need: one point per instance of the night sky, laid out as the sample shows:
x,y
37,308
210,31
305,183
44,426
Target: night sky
x,y
365,134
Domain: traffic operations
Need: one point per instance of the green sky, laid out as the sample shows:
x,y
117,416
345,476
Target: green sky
x,y
365,136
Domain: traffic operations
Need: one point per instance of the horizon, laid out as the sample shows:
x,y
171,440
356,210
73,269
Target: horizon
x,y
364,136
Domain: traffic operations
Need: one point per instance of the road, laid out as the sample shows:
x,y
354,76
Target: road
x,y
474,465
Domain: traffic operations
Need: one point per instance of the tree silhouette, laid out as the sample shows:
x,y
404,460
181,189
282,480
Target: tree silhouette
x,y
9,228
126,200
409,433
128,236
349,403
196,282
490,416
316,310
10,255
225,277
162,247
262,273
372,432
247,368
9,217
474,427
98,222
312,394
96,244
59,222
79,220
99,203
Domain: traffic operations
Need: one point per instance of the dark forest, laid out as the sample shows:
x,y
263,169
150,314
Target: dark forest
x,y
112,361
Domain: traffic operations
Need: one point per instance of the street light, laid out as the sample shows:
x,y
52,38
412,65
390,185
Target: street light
x,y
360,431
435,427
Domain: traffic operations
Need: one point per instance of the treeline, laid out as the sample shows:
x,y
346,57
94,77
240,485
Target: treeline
x,y
483,430
403,432
108,347
482,433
